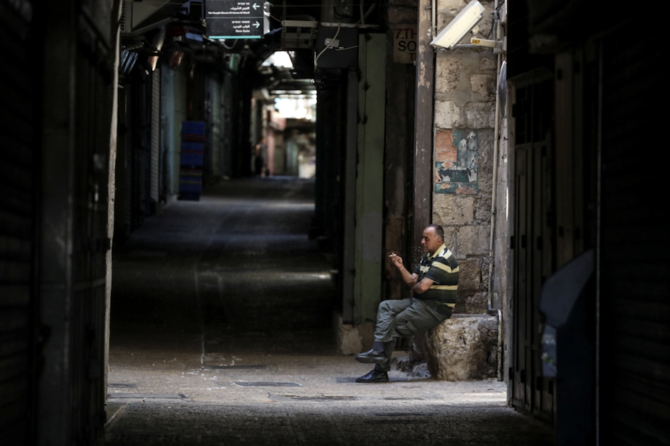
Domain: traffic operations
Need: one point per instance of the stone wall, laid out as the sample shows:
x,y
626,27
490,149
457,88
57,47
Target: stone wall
x,y
465,346
464,121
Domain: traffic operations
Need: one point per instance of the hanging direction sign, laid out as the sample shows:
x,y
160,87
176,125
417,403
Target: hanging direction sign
x,y
234,19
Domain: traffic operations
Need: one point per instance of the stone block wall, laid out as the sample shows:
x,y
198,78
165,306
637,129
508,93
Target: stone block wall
x,y
465,85
465,347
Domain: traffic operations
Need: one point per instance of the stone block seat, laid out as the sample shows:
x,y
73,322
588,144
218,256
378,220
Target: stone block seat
x,y
463,347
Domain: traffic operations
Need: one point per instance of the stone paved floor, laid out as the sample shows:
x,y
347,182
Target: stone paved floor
x,y
221,314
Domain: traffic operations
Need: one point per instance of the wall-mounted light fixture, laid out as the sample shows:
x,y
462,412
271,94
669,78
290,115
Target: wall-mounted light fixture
x,y
459,26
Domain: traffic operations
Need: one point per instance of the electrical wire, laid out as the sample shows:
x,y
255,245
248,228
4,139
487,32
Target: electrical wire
x,y
495,14
228,47
316,61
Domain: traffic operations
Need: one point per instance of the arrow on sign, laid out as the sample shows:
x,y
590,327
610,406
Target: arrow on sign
x,y
257,25
256,6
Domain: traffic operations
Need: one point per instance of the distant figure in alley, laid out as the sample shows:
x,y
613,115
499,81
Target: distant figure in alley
x,y
260,158
433,285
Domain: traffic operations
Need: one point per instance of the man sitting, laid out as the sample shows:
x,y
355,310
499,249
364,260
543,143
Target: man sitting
x,y
433,285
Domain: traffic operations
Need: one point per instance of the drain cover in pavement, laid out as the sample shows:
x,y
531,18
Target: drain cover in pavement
x,y
345,380
122,385
149,396
319,398
396,421
402,414
265,384
144,439
147,253
234,367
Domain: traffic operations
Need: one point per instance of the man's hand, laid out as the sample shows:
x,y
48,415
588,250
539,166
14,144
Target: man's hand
x,y
397,260
410,279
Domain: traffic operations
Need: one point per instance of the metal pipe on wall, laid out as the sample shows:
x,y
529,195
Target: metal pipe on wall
x,y
496,140
116,41
423,126
434,18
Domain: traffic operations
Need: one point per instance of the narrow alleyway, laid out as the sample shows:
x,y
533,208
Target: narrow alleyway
x,y
221,335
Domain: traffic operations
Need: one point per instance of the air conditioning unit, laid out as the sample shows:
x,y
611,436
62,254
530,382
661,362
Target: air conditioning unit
x,y
298,34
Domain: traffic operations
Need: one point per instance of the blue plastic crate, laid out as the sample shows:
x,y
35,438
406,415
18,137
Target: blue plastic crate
x,y
193,128
190,187
195,138
191,159
192,146
188,171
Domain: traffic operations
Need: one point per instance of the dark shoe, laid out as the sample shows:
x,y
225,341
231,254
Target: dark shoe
x,y
375,376
371,357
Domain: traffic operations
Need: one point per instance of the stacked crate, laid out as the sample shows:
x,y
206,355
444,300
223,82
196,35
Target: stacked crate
x,y
192,150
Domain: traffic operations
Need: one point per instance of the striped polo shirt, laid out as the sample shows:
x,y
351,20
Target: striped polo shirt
x,y
441,268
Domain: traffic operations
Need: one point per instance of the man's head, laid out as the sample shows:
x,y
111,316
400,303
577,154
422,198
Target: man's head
x,y
433,238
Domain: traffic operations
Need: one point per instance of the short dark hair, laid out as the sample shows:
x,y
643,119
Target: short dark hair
x,y
439,231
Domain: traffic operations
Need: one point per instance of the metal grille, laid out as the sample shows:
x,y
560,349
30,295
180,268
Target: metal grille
x,y
90,242
533,242
18,173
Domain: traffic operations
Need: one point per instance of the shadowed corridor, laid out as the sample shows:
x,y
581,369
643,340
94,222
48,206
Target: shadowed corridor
x,y
221,334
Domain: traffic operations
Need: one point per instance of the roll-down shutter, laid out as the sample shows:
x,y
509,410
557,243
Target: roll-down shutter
x,y
18,180
635,296
155,133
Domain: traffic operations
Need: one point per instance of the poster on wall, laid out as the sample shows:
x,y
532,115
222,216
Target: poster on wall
x,y
456,161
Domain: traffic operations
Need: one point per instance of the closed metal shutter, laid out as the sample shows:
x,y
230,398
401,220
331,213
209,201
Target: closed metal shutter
x,y
635,293
139,134
18,174
130,191
167,132
155,133
216,135
227,134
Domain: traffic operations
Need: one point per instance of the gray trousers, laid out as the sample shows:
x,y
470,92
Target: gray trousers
x,y
402,318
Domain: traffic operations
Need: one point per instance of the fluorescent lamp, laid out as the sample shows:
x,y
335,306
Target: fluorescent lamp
x,y
460,25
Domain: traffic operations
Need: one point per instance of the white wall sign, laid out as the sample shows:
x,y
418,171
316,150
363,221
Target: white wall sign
x,y
404,44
